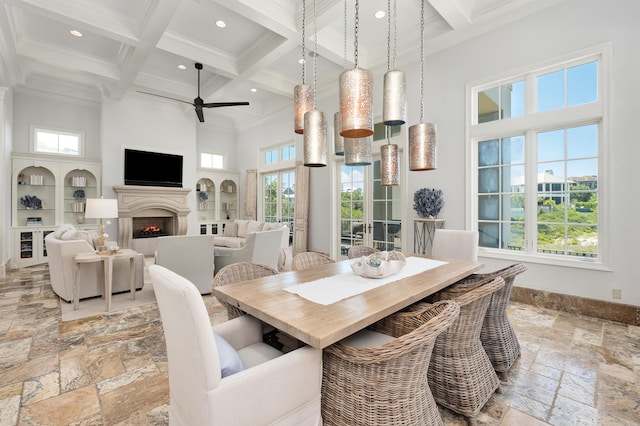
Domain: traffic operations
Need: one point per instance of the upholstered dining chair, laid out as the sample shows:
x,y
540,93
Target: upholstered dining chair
x,y
225,374
460,375
309,259
497,335
241,271
455,244
359,251
378,376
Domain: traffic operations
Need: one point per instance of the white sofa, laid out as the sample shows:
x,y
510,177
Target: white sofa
x,y
235,236
60,252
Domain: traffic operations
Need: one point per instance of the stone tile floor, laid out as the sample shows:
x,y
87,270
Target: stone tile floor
x,y
112,369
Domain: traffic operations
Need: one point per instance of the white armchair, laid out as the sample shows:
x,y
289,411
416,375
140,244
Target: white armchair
x,y
261,247
273,389
190,256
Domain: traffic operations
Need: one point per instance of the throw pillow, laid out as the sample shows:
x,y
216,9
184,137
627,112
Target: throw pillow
x,y
242,228
231,230
230,362
62,229
254,226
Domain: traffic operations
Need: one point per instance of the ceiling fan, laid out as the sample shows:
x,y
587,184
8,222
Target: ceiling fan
x,y
198,103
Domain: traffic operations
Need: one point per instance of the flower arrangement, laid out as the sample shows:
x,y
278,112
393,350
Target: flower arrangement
x,y
203,196
78,194
428,202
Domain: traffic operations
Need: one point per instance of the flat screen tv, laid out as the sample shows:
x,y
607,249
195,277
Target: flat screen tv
x,y
152,168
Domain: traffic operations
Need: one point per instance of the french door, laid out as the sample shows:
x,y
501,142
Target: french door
x,y
370,214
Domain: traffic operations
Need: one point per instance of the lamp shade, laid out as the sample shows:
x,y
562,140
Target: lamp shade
x,y
315,135
338,141
356,103
389,160
302,103
357,152
422,147
101,208
394,103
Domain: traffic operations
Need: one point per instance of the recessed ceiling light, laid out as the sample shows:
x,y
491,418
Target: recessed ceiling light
x,y
182,67
301,61
221,24
75,33
380,14
254,90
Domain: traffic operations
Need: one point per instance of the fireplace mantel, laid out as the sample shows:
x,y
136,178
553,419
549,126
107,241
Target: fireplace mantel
x,y
144,201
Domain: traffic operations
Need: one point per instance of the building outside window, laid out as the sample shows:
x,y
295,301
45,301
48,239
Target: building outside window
x,y
537,147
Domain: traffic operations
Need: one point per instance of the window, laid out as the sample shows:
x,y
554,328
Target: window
x,y
537,147
49,141
278,184
211,161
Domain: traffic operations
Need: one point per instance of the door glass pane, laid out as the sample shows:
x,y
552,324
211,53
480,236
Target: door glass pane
x,y
386,214
351,207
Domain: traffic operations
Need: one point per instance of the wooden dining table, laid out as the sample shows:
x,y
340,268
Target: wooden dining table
x,y
321,325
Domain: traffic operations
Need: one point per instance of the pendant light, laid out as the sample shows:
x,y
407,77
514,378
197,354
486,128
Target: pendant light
x,y
357,152
338,140
394,108
302,93
422,136
315,122
356,96
394,102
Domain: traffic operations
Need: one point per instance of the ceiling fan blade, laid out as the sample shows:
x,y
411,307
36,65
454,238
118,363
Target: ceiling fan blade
x,y
166,97
200,114
223,104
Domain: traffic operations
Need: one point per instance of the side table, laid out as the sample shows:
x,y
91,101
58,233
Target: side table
x,y
107,265
423,231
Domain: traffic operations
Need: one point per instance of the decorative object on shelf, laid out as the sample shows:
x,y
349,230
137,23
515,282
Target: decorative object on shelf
x,y
34,221
203,196
101,208
36,180
21,179
422,136
303,93
78,181
78,194
379,265
428,202
77,206
31,202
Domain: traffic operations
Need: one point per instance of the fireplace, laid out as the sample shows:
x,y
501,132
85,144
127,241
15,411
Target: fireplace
x,y
147,212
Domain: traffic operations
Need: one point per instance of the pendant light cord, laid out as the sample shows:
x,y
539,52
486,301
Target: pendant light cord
x,y
355,41
315,48
304,17
422,61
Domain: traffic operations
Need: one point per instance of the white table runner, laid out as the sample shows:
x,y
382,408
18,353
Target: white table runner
x,y
326,291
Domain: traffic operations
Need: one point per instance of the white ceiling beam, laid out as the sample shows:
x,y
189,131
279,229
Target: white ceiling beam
x,y
155,24
457,13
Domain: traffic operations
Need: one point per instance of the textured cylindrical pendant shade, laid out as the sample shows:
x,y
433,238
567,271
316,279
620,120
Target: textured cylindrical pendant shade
x,y
356,103
389,160
422,147
394,102
338,141
315,136
357,152
302,103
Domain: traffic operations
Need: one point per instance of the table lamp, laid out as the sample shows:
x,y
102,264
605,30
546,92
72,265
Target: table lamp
x,y
101,208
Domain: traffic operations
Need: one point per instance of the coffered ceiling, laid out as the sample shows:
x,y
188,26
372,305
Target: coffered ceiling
x,y
137,45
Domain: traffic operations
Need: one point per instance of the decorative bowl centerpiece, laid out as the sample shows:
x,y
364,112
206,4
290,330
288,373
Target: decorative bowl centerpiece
x,y
379,265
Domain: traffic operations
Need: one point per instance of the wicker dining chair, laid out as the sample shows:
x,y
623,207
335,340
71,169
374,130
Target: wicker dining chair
x,y
382,379
236,272
461,376
359,251
309,259
497,335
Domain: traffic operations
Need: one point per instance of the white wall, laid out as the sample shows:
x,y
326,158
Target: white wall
x,y
6,122
567,27
150,125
